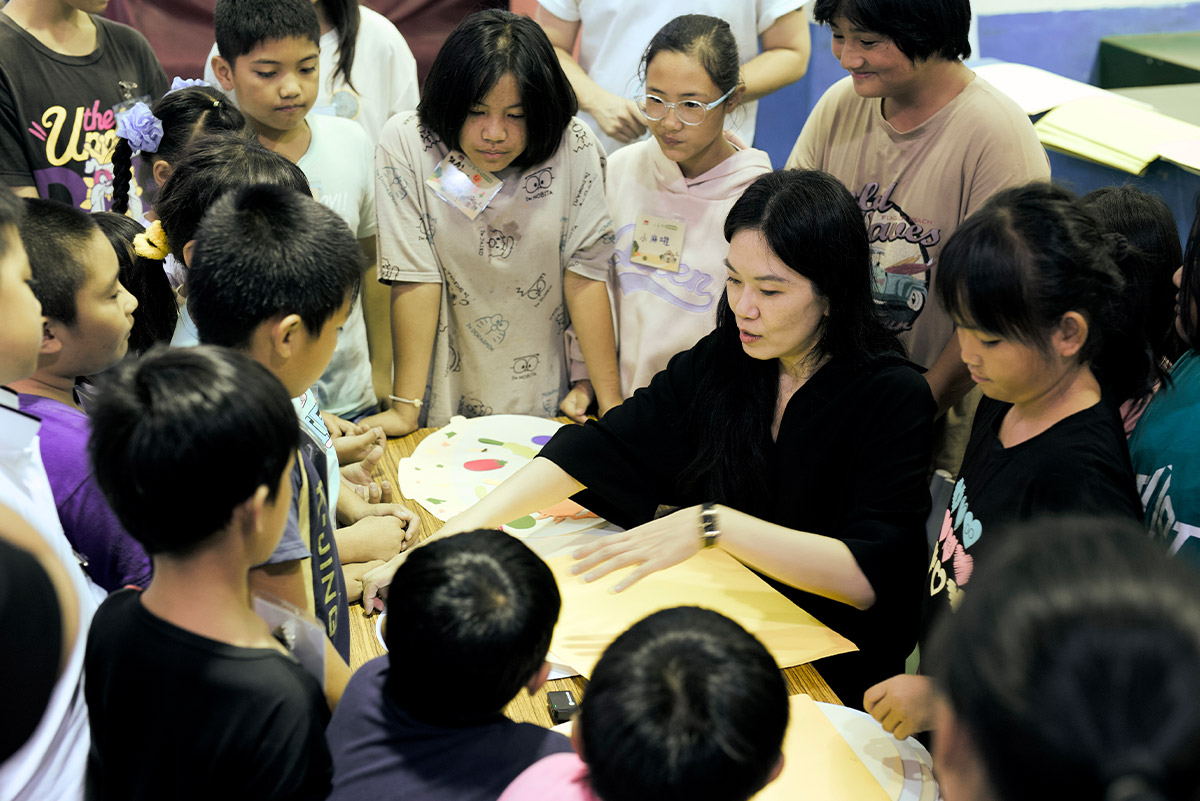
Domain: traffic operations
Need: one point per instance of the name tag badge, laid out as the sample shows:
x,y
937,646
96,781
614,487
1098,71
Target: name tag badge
x,y
658,242
463,185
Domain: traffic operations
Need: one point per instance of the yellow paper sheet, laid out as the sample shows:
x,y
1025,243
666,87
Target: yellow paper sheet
x,y
818,764
1112,131
592,616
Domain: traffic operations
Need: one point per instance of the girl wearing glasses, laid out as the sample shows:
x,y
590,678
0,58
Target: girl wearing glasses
x,y
494,234
669,196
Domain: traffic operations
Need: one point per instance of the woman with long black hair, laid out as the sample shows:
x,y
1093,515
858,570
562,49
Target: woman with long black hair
x,y
795,436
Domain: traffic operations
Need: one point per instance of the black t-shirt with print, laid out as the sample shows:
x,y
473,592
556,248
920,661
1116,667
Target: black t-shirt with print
x,y
1080,465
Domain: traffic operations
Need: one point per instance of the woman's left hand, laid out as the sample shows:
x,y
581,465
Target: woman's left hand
x,y
653,546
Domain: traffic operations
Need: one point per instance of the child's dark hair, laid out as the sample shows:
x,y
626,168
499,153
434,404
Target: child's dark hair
x,y
185,114
707,39
209,419
266,250
1189,288
242,25
484,47
685,704
814,226
1074,665
55,236
12,211
1147,222
345,17
1030,255
144,278
479,607
213,166
920,29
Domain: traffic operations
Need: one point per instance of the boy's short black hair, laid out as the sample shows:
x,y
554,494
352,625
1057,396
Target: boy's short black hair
x,y
484,47
479,609
242,25
55,235
212,166
921,29
265,250
11,212
208,419
685,704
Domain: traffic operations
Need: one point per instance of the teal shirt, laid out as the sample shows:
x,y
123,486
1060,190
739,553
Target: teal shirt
x,y
1165,450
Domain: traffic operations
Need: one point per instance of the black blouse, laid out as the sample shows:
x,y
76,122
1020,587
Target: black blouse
x,y
850,462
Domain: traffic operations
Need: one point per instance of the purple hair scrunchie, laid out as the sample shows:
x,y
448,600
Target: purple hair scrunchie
x,y
140,128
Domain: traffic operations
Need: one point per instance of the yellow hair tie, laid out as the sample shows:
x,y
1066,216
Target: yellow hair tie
x,y
152,243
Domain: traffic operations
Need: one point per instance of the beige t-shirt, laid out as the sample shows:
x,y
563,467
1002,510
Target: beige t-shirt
x,y
500,346
916,187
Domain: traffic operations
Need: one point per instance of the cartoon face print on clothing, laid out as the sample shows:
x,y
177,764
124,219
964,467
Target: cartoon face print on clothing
x,y
490,330
537,184
537,291
900,262
952,565
473,407
498,243
525,366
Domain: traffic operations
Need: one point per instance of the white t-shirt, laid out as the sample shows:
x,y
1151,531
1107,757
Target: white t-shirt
x,y
339,165
53,763
614,35
384,76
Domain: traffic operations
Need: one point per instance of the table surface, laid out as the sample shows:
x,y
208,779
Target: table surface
x,y
364,645
1182,48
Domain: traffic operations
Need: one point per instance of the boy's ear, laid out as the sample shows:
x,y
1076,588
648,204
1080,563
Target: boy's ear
x,y
1070,334
538,679
224,72
248,515
161,171
51,344
189,248
285,335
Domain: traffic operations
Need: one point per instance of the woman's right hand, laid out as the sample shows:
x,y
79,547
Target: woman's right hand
x,y
397,421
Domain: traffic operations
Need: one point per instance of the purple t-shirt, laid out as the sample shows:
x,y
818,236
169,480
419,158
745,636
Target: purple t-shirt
x,y
115,559
381,752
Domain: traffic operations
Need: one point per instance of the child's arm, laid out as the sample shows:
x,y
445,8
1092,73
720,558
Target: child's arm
x,y
376,304
591,315
415,309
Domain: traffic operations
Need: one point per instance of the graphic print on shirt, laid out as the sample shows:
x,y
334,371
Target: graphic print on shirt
x,y
455,294
687,289
392,182
951,566
585,188
472,407
498,243
901,267
580,139
490,330
428,137
525,366
537,184
560,318
537,291
81,140
1176,535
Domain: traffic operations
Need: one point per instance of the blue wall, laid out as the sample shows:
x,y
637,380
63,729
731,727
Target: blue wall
x,y
1064,42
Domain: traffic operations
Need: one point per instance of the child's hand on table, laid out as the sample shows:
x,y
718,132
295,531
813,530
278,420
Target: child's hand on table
x,y
902,704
